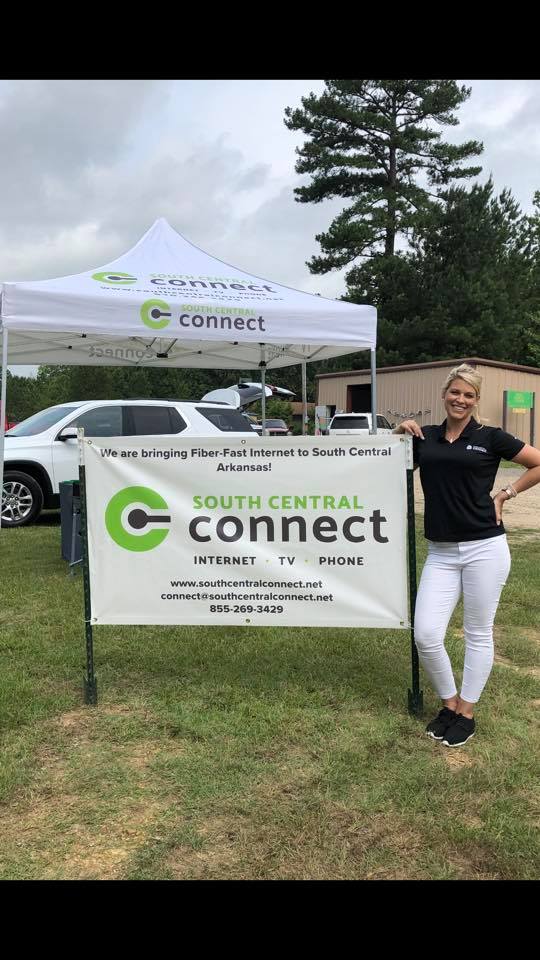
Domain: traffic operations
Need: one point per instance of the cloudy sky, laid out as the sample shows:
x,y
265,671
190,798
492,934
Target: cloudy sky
x,y
88,165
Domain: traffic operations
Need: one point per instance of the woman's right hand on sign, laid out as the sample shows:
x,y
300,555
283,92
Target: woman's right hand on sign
x,y
411,427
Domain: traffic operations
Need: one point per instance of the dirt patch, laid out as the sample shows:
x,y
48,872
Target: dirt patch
x,y
84,717
76,721
523,511
100,854
331,842
528,671
67,810
83,850
223,844
505,662
500,633
141,755
474,823
522,536
456,759
476,865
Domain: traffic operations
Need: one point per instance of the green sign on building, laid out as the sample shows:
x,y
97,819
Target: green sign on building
x,y
519,399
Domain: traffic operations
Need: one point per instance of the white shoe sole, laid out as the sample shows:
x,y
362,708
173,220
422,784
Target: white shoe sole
x,y
463,742
432,735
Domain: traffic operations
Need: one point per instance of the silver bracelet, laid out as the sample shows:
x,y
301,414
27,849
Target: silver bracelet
x,y
510,490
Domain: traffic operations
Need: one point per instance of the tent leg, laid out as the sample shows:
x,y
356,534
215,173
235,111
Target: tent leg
x,y
373,391
304,398
89,681
3,413
262,366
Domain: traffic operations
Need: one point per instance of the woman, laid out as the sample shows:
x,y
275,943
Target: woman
x,y
468,553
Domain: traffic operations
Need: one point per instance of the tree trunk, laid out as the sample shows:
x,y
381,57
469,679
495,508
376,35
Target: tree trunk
x,y
392,181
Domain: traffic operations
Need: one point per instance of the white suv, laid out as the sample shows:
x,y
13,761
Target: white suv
x,y
41,452
344,423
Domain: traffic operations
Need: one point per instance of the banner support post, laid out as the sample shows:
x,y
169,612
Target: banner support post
x,y
89,679
415,696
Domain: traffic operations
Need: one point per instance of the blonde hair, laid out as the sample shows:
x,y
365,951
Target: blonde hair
x,y
469,375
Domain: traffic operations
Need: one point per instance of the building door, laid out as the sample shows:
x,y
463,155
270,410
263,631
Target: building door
x,y
359,398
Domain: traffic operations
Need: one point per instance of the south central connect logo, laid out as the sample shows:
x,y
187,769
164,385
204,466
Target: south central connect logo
x,y
118,279
125,525
156,314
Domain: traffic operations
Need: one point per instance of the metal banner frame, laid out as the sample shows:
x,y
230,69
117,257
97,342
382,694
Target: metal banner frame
x,y
90,681
414,696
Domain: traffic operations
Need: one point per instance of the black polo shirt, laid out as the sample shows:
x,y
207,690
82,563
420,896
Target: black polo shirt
x,y
457,479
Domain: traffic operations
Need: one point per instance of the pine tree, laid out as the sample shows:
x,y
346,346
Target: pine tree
x,y
530,340
465,287
21,396
369,142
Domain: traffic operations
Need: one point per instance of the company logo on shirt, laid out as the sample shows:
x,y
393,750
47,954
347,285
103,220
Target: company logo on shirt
x,y
470,446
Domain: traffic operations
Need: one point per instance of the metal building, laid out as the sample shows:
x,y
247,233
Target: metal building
x,y
508,393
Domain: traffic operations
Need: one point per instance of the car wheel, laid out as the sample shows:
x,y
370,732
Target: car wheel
x,y
22,499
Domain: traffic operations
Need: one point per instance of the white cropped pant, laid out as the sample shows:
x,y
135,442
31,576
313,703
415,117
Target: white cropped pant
x,y
478,569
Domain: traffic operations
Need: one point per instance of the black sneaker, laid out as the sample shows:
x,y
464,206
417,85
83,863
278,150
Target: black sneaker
x,y
438,727
461,730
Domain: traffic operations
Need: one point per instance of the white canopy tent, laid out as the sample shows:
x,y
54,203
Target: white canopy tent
x,y
166,303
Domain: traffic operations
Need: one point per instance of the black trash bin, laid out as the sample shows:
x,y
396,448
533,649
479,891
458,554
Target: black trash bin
x,y
70,520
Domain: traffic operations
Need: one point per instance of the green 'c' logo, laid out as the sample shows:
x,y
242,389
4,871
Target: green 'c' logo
x,y
118,279
136,519
156,314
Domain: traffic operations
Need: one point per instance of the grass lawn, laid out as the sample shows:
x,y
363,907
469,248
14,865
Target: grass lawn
x,y
277,753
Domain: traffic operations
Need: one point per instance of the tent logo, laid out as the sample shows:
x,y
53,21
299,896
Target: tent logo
x,y
118,279
156,314
126,516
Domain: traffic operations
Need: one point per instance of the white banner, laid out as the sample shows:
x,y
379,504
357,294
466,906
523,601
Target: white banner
x,y
299,531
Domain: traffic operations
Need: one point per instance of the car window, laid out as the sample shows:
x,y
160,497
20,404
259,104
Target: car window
x,y
350,423
226,420
39,422
382,422
100,422
152,420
